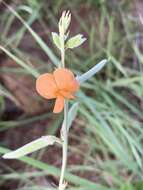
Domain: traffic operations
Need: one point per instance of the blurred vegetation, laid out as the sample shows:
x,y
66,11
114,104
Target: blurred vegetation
x,y
107,137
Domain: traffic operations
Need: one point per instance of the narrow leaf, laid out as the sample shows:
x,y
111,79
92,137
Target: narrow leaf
x,y
27,67
56,39
38,39
92,71
4,92
71,178
75,41
32,146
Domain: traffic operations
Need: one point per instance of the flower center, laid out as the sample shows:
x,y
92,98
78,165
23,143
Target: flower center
x,y
63,93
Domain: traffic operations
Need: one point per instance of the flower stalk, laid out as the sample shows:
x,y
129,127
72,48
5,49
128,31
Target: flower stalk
x,y
63,25
64,138
62,42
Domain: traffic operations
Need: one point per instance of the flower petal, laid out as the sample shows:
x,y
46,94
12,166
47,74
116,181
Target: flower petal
x,y
59,104
74,85
46,86
67,94
65,80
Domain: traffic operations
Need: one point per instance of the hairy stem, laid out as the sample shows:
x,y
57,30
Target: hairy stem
x,y
64,130
64,137
62,51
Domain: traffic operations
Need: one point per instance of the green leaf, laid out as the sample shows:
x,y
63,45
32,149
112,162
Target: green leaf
x,y
127,186
27,67
75,41
38,39
72,114
56,39
91,72
51,170
32,146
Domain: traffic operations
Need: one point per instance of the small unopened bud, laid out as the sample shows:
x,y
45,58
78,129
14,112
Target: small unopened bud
x,y
64,22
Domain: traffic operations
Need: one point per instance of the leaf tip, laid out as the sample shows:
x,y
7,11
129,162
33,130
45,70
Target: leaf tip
x,y
8,156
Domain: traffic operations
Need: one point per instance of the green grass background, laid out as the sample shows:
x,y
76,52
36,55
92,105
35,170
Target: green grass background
x,y
111,103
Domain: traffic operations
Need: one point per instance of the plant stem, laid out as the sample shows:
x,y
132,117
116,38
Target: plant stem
x,y
64,137
62,51
64,130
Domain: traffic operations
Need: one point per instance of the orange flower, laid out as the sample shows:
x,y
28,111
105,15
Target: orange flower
x,y
60,85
